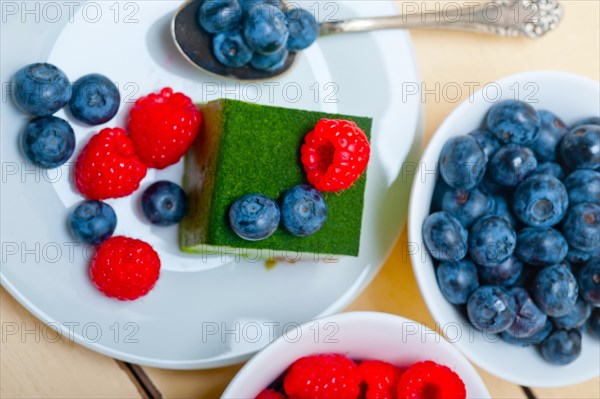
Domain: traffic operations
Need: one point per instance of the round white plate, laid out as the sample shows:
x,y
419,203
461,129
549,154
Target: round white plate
x,y
205,311
572,98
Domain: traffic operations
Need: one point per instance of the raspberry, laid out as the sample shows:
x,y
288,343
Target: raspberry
x,y
107,167
163,126
334,154
327,376
430,380
125,268
381,379
270,394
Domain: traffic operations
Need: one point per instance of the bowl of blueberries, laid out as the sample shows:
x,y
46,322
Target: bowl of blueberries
x,y
505,219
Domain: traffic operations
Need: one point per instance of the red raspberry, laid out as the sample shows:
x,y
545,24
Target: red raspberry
x,y
334,154
430,380
381,379
125,268
163,126
107,167
270,394
327,376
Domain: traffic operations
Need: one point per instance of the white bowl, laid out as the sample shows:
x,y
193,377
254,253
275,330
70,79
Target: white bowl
x,y
572,98
359,335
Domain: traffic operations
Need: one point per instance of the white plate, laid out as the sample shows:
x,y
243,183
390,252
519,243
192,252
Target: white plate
x,y
572,98
172,327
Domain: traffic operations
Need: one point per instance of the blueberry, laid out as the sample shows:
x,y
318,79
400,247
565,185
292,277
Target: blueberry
x,y
581,227
92,222
562,347
592,120
164,203
576,317
488,142
533,339
41,89
594,323
529,319
491,240
489,186
555,290
457,280
303,27
573,269
265,29
95,99
462,162
48,141
552,129
589,282
230,49
491,309
550,168
254,217
579,258
441,187
269,62
445,237
303,210
541,246
248,4
511,165
514,122
219,15
583,186
502,209
505,273
467,205
540,201
580,148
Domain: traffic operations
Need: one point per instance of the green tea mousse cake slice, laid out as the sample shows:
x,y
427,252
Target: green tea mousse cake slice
x,y
248,148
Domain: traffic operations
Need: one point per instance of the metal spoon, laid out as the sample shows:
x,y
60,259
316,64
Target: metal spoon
x,y
528,18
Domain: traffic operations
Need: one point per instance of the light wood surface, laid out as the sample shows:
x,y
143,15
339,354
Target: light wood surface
x,y
36,363
587,390
64,370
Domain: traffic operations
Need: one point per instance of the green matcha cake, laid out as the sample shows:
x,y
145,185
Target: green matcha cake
x,y
248,148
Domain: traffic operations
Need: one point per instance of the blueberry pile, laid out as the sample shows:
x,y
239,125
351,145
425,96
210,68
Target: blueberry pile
x,y
256,32
303,212
42,89
515,228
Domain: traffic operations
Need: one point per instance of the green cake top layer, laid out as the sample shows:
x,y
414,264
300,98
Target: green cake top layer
x,y
249,148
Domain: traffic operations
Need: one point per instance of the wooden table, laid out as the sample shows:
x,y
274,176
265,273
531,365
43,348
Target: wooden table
x,y
36,368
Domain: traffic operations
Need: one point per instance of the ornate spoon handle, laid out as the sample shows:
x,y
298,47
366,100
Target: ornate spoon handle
x,y
529,18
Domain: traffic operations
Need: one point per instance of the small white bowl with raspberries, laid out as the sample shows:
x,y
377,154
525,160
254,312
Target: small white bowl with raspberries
x,y
349,341
504,223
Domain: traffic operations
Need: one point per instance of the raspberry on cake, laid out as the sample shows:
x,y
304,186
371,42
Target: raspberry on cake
x,y
246,148
334,154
